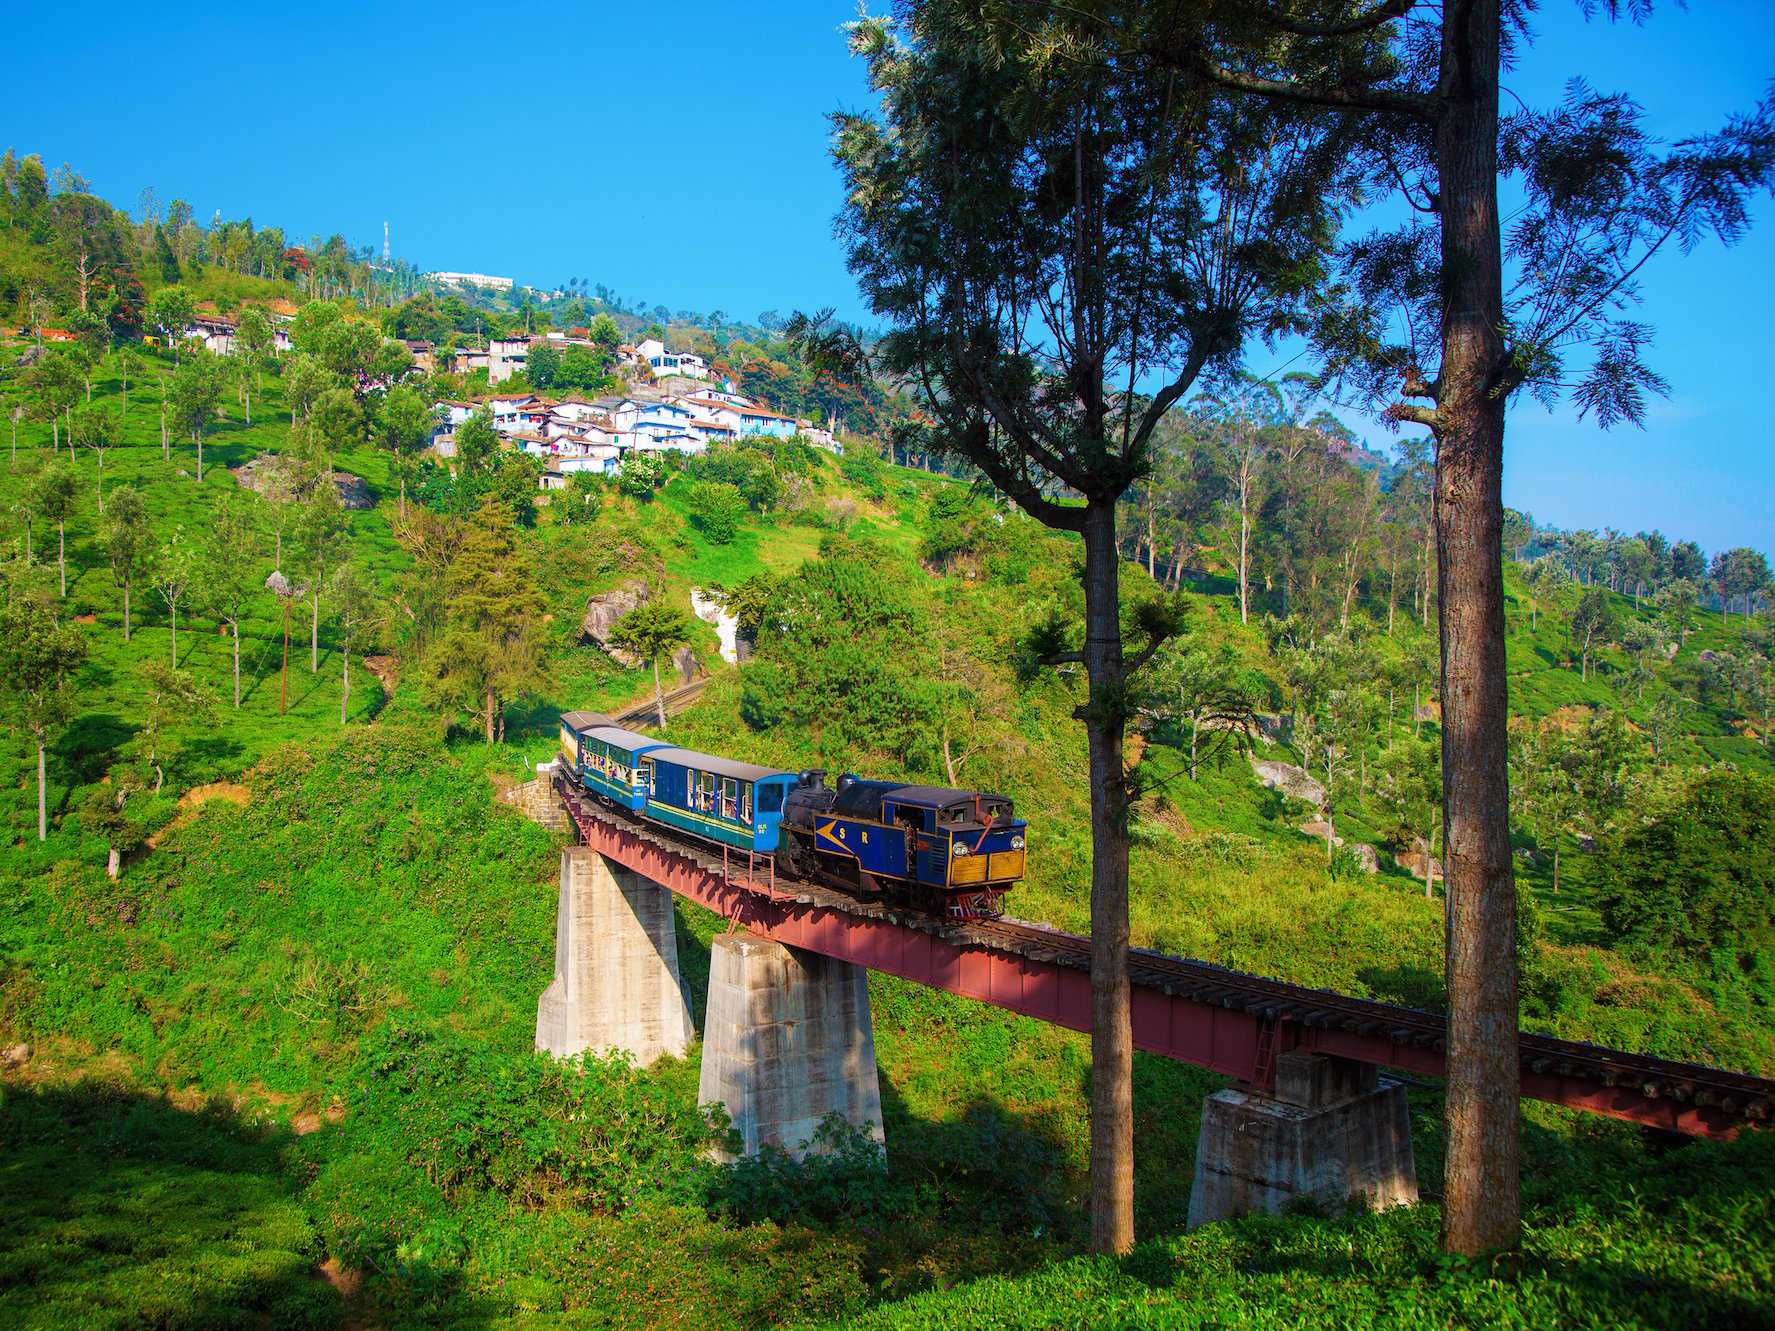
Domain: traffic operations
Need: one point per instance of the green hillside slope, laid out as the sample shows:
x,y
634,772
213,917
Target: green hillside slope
x,y
298,1027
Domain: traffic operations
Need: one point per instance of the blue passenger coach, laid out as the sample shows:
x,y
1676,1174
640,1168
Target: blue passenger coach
x,y
738,804
606,758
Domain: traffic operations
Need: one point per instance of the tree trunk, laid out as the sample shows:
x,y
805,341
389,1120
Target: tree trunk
x,y
1112,1031
1195,727
42,791
1556,864
1481,1208
113,863
1244,562
659,694
173,607
314,628
198,436
235,625
126,612
283,678
344,680
61,551
489,716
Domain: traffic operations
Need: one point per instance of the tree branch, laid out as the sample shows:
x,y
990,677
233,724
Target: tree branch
x,y
1384,100
1374,18
1428,417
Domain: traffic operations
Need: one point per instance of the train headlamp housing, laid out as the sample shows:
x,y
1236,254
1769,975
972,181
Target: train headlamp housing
x,y
959,849
1017,843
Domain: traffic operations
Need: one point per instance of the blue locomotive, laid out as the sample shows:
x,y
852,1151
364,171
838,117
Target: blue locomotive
x,y
954,852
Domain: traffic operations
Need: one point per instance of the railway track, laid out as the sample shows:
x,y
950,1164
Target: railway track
x,y
1415,1038
1687,1083
645,713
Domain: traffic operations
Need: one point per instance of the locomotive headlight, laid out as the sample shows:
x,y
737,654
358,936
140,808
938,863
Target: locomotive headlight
x,y
1016,843
959,849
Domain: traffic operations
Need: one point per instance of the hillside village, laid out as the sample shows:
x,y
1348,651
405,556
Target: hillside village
x,y
670,406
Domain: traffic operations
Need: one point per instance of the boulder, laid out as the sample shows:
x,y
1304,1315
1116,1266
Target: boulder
x,y
1293,781
1319,829
603,609
353,492
257,474
1276,727
15,1055
1366,857
685,663
28,357
1414,860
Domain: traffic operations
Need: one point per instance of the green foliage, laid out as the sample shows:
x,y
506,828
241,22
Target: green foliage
x,y
124,1210
490,651
592,1132
1698,877
580,502
642,474
863,470
841,1175
717,510
751,472
957,525
830,661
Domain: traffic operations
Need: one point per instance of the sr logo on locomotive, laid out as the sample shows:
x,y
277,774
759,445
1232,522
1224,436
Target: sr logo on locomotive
x,y
952,852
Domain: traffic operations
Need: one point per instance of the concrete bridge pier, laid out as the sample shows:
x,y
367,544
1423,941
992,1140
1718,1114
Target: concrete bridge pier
x,y
616,982
1333,1131
787,1041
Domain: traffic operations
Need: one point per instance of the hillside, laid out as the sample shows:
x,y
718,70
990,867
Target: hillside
x,y
302,1017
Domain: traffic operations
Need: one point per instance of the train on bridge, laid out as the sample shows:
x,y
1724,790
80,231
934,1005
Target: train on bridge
x,y
953,853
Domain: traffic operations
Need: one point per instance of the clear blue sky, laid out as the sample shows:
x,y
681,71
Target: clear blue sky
x,y
678,155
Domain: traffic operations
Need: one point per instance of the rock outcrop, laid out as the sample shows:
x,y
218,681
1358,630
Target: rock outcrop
x,y
603,609
256,474
1292,781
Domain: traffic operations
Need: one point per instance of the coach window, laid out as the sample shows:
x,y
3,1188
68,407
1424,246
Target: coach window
x,y
730,797
647,773
705,791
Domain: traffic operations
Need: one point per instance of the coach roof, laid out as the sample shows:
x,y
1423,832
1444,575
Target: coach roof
x,y
708,762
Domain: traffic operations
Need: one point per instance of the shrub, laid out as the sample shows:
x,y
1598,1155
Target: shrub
x,y
716,510
641,475
1699,876
863,470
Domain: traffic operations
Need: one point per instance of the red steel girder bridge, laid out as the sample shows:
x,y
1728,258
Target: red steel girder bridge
x,y
1221,1019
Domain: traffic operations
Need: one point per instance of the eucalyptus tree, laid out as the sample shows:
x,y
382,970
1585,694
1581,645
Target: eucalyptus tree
x,y
54,500
38,658
128,534
1447,320
173,571
196,389
226,576
322,537
95,428
1066,238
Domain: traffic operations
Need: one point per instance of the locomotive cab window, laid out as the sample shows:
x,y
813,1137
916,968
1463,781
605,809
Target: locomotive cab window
x,y
770,799
647,774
